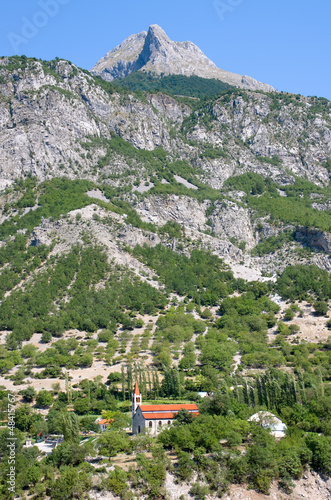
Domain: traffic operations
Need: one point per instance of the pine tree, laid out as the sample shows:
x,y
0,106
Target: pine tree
x,y
265,391
149,379
302,389
156,387
289,395
252,396
245,393
135,372
140,382
321,381
275,394
293,391
129,377
144,383
226,394
176,382
259,391
68,388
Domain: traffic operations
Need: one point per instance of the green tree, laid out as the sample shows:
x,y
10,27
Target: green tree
x,y
25,417
69,424
118,420
28,394
81,406
33,474
71,484
46,337
184,417
199,491
321,308
289,314
321,448
152,472
69,454
44,399
112,442
117,481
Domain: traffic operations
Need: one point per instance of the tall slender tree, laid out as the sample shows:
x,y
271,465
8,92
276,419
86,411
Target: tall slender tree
x,y
246,394
123,381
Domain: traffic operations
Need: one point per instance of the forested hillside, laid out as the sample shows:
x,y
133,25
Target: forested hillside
x,y
189,86
174,232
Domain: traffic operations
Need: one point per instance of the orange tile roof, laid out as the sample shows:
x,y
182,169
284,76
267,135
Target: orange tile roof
x,y
161,416
104,421
158,416
136,389
168,408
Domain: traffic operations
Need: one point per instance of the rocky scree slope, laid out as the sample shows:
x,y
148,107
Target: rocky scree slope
x,y
154,52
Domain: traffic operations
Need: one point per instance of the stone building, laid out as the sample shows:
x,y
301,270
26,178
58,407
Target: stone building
x,y
153,418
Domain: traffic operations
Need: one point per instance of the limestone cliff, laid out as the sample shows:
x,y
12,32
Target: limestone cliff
x,y
154,52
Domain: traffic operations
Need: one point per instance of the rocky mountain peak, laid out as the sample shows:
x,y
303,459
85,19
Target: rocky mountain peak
x,y
156,43
156,53
155,31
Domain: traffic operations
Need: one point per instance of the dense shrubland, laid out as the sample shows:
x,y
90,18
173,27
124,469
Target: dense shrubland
x,y
64,296
201,276
294,208
301,282
190,86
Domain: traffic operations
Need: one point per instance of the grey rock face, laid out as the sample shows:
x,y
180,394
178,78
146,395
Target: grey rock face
x,y
315,239
47,118
155,52
251,128
125,58
181,209
235,223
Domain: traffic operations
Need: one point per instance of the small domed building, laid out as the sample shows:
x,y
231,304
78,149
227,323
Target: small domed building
x,y
269,421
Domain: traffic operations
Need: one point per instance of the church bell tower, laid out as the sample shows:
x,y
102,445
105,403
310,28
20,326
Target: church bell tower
x,y
136,399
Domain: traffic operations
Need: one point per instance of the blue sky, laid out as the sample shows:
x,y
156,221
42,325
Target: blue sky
x,y
285,43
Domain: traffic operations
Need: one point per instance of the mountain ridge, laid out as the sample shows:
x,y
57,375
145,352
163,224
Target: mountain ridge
x,y
154,52
269,133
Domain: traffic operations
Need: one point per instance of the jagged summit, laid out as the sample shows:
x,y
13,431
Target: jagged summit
x,y
153,51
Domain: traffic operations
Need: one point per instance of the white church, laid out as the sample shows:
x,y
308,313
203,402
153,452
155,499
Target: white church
x,y
153,418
